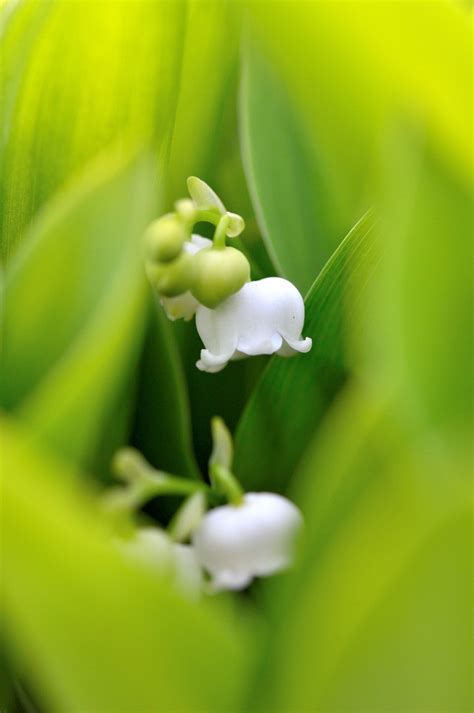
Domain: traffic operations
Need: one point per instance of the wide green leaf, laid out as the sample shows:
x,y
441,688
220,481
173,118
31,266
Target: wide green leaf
x,y
420,341
355,73
67,359
96,631
88,74
293,394
376,612
287,182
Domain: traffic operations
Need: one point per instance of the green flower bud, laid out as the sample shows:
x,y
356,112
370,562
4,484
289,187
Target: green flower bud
x,y
186,209
165,237
172,278
219,273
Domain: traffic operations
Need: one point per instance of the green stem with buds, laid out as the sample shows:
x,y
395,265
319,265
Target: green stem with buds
x,y
145,482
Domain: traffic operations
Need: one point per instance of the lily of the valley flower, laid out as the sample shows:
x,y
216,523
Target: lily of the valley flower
x,y
236,543
184,306
264,317
154,549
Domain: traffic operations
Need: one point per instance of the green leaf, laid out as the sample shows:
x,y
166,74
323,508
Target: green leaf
x,y
89,75
420,341
356,69
376,611
98,631
162,427
209,62
75,305
288,189
293,394
228,176
7,692
20,23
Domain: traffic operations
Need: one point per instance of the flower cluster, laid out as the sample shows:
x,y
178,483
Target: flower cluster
x,y
194,276
221,537
223,548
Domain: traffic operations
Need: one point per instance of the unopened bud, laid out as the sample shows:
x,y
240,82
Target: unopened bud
x,y
219,273
172,278
165,237
186,210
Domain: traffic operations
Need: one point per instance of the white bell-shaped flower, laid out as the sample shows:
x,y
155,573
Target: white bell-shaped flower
x,y
154,549
184,306
236,543
264,317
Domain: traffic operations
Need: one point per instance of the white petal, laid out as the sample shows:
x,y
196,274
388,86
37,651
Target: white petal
x,y
151,547
180,307
264,317
290,347
226,579
187,570
197,243
184,306
235,544
155,550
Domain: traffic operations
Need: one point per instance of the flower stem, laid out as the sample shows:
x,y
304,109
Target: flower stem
x,y
220,233
225,482
145,482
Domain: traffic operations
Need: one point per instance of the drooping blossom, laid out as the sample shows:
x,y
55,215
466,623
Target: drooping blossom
x,y
236,543
264,317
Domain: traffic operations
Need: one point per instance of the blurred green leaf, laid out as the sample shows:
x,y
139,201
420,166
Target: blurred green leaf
x,y
20,23
293,394
422,337
356,70
227,176
7,694
210,54
75,305
89,74
376,614
98,631
288,189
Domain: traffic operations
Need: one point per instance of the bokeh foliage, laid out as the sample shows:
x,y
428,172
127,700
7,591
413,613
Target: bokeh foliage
x,y
354,127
